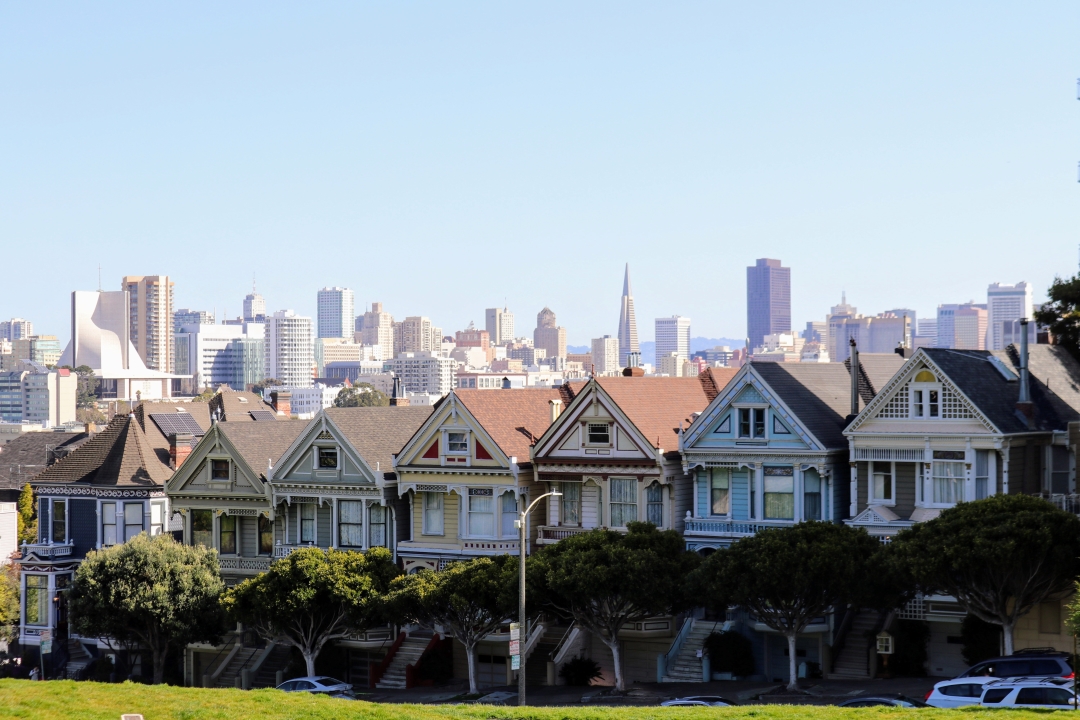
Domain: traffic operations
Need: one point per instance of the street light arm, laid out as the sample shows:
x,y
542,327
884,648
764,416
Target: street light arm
x,y
526,512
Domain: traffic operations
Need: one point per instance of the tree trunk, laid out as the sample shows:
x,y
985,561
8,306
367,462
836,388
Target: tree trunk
x,y
309,662
1007,634
616,656
470,653
793,673
158,658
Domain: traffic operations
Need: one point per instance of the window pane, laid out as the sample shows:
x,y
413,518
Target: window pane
x,y
266,536
37,600
720,498
227,525
948,482
307,522
744,422
759,422
433,513
59,521
571,503
623,501
599,434
133,520
328,457
378,526
481,515
219,469
457,442
202,526
351,511
654,508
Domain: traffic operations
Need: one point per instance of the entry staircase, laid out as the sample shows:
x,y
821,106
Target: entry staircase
x,y
410,650
852,659
78,659
263,664
686,666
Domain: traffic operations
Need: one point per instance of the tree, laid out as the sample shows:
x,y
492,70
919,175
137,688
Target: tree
x,y
205,396
471,598
999,557
314,596
27,518
1061,314
85,387
604,579
153,592
258,387
361,395
789,576
9,602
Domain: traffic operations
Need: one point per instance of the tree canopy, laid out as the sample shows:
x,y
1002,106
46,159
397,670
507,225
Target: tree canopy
x,y
361,395
789,576
314,596
9,602
153,592
27,517
999,557
1061,313
604,579
471,598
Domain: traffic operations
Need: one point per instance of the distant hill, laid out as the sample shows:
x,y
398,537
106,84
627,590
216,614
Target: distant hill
x,y
648,348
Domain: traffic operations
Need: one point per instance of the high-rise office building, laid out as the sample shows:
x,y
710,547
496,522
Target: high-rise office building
x,y
150,314
768,300
183,316
379,329
672,336
336,312
910,315
548,336
16,329
605,355
499,325
1005,304
420,335
628,339
961,326
290,349
234,355
254,307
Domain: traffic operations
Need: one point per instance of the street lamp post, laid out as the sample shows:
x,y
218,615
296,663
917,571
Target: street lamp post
x,y
522,635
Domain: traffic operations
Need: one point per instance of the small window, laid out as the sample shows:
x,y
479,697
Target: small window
x,y
457,442
307,522
720,491
811,495
570,503
133,520
59,521
377,526
654,504
433,513
982,474
599,433
351,523
227,534
108,524
219,469
882,481
759,422
202,528
327,457
266,536
752,423
157,518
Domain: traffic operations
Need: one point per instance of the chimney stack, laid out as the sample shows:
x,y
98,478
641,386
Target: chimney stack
x,y
397,395
1024,406
179,448
633,371
282,402
854,361
556,409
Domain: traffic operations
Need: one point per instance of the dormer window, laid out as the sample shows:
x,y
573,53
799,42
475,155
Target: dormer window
x,y
925,395
598,433
457,443
752,423
328,458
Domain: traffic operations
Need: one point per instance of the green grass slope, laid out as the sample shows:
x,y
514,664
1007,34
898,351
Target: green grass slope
x,y
68,700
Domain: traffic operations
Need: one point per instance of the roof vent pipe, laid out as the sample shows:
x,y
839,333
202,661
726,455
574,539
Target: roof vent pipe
x,y
1025,377
854,361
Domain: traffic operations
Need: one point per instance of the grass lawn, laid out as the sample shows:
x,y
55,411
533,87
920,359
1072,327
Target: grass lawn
x,y
69,700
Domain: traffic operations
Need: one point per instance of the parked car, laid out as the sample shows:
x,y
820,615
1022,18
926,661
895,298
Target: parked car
x,y
888,700
1048,693
319,684
1038,662
699,700
957,692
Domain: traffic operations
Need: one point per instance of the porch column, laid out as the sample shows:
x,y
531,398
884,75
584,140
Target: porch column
x,y
694,498
1005,471
853,510
991,472
969,471
334,524
797,488
759,491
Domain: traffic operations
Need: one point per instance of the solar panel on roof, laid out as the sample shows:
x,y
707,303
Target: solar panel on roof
x,y
177,423
258,415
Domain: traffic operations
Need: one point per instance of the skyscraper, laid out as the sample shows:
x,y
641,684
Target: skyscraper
x,y
150,302
628,340
548,336
672,336
254,307
1005,304
379,330
605,355
961,326
16,329
768,300
499,325
290,349
335,312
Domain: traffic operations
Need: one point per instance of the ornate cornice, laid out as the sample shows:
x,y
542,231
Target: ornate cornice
x,y
601,469
108,492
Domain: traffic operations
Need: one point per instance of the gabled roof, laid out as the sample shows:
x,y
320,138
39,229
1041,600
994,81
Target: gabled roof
x,y
657,406
29,454
818,394
877,369
159,442
237,406
514,419
118,455
261,443
378,433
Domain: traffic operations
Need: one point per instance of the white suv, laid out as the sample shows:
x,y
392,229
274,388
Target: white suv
x,y
1048,693
958,692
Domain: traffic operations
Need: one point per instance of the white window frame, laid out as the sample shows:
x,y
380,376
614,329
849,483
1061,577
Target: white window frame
x,y
871,498
372,525
480,495
934,502
26,597
919,399
753,410
114,504
300,520
711,476
159,527
53,501
611,502
428,511
142,518
576,504
504,514
610,434
651,503
361,524
447,442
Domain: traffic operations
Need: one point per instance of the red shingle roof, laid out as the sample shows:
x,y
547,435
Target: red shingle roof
x,y
516,418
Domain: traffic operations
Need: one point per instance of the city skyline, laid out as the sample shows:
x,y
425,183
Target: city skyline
x,y
668,136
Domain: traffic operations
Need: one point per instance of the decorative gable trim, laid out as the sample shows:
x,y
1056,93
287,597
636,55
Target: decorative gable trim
x,y
432,452
450,414
321,428
592,394
875,515
324,435
214,442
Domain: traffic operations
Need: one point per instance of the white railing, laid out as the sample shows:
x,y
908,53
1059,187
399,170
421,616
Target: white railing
x,y
1068,503
732,528
547,534
46,550
241,563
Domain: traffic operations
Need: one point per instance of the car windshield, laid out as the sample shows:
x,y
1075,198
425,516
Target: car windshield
x,y
328,681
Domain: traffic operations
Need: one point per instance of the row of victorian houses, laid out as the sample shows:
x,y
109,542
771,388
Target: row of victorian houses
x,y
715,457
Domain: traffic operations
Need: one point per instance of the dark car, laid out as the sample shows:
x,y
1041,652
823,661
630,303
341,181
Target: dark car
x,y
1024,663
889,700
699,700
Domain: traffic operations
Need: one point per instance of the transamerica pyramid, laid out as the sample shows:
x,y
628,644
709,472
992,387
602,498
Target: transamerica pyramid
x,y
628,342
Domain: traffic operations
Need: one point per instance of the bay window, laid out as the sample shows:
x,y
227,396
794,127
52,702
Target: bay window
x,y
202,528
779,494
811,495
133,520
481,512
351,523
570,503
227,534
654,504
377,526
433,513
509,514
624,507
719,491
37,600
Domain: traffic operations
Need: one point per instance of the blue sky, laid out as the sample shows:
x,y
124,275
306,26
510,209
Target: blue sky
x,y
440,157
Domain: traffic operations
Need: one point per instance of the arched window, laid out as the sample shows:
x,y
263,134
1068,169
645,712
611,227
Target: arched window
x,y
925,395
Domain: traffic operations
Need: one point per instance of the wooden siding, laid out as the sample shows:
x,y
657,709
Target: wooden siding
x,y
740,494
862,486
906,478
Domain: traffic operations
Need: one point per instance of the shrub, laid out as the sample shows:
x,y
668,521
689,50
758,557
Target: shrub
x,y
580,671
730,652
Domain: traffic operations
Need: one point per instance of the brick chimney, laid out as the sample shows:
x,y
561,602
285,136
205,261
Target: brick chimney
x,y
179,448
282,402
397,395
633,371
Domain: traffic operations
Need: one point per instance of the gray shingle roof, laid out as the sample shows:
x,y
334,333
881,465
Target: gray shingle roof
x,y
236,406
28,454
378,433
819,394
118,455
260,443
